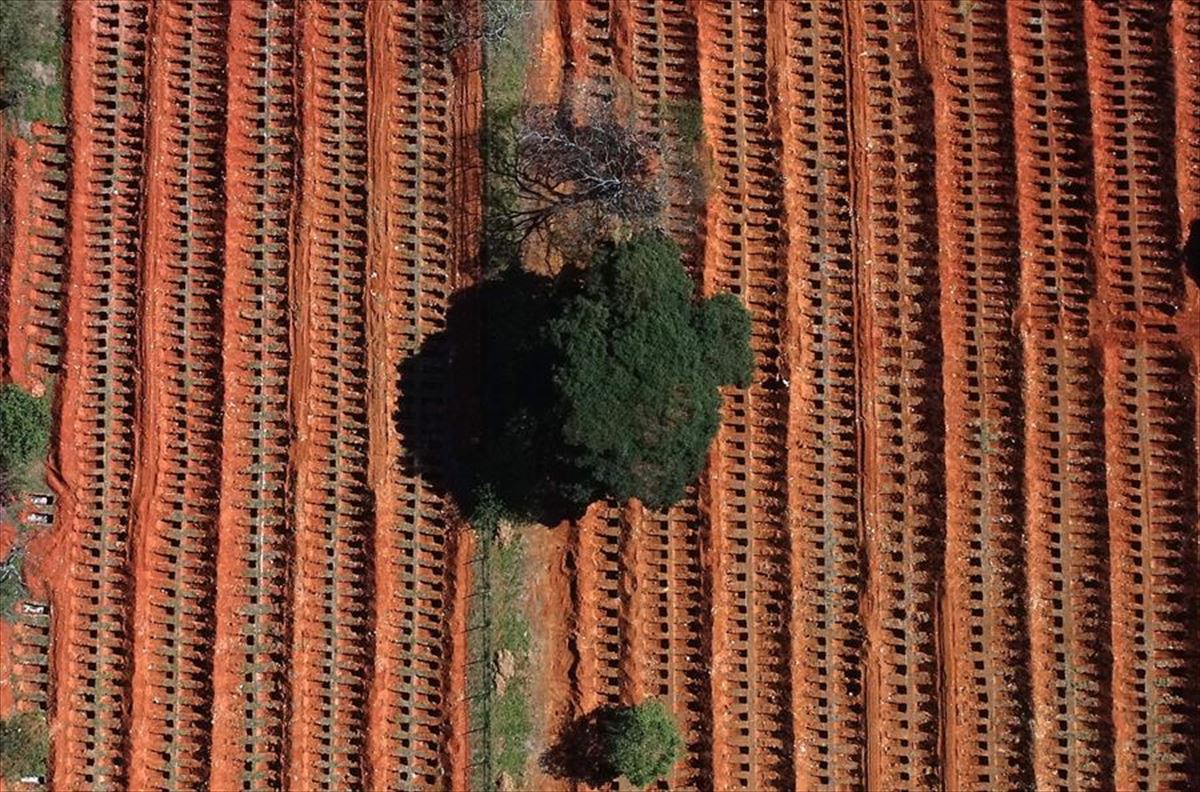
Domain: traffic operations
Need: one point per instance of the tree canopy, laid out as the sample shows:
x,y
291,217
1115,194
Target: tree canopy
x,y
639,365
602,382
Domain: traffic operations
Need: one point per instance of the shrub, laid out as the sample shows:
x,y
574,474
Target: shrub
x,y
24,430
642,743
24,746
638,371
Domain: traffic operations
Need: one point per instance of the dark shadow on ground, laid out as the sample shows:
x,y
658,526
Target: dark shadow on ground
x,y
1191,254
476,411
579,752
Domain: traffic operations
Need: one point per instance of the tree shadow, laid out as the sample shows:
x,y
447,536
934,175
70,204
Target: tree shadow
x,y
1191,253
477,410
580,752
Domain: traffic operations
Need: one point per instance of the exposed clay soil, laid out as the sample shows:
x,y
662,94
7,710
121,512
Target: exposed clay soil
x,y
948,537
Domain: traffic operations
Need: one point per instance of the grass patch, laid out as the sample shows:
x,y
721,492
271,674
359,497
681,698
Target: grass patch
x,y
31,60
687,116
502,722
24,746
506,58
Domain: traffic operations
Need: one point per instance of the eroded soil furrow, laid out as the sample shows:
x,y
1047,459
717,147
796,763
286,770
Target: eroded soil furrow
x,y
332,646
986,659
250,676
1066,562
413,274
36,268
95,453
902,474
178,464
1149,430
823,495
750,543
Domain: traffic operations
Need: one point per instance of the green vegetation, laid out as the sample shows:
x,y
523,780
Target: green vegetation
x,y
500,709
686,115
636,364
499,686
24,746
599,383
12,589
642,743
24,437
31,41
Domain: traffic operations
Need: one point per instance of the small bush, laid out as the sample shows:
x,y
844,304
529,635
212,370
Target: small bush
x,y
24,431
642,743
24,746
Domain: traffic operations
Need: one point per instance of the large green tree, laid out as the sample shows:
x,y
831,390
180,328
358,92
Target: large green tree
x,y
639,361
603,382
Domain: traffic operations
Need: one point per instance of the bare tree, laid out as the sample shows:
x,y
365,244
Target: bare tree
x,y
498,19
583,176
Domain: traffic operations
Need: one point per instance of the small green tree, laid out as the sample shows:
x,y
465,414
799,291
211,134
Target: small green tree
x,y
642,743
639,365
24,746
24,435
